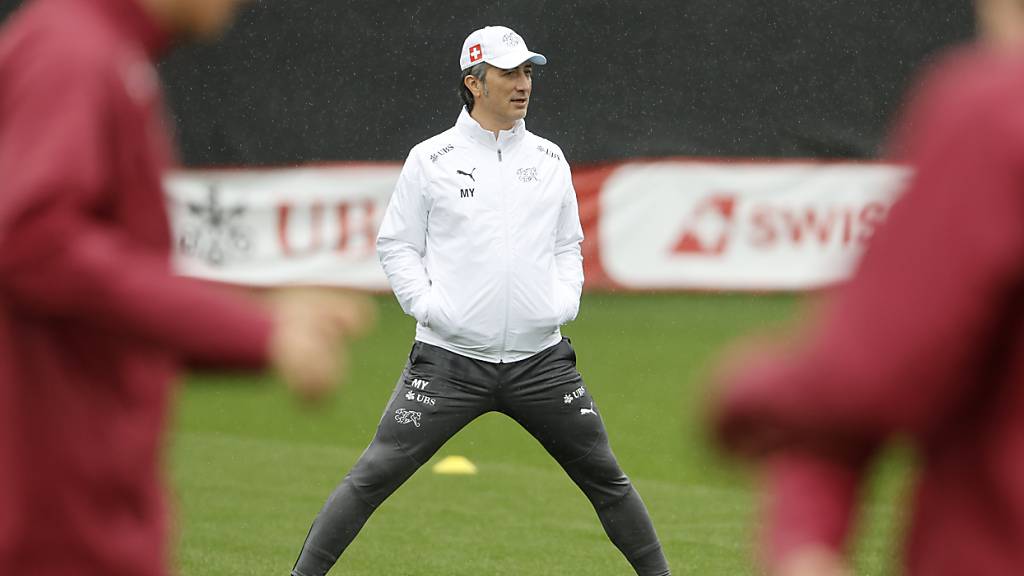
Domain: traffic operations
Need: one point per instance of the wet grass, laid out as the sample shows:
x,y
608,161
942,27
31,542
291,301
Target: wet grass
x,y
250,468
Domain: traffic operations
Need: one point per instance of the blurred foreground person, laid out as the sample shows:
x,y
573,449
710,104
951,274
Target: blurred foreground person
x,y
93,325
926,343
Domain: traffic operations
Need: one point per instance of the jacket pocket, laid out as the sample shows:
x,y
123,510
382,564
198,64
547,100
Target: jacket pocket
x,y
566,303
438,317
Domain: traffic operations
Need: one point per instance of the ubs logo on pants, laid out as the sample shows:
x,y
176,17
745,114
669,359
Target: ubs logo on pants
x,y
421,398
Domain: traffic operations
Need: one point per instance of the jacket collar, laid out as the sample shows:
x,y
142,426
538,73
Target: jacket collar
x,y
133,20
469,127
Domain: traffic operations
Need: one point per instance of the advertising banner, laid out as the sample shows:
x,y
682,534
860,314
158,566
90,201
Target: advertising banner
x,y
770,226
311,226
664,225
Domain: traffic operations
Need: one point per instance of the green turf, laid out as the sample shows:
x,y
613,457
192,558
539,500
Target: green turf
x,y
250,467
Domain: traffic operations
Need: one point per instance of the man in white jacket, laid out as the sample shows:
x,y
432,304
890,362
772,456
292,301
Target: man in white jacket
x,y
481,244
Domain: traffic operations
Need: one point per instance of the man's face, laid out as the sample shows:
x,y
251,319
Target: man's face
x,y
506,93
205,18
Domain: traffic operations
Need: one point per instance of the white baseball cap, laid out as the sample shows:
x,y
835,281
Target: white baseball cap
x,y
499,46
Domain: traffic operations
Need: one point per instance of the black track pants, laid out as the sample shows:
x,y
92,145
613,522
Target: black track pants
x,y
438,394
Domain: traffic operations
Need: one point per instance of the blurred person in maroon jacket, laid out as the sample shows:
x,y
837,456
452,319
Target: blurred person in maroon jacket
x,y
93,325
926,342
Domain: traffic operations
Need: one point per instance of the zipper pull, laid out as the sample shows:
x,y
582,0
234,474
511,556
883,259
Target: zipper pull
x,y
499,155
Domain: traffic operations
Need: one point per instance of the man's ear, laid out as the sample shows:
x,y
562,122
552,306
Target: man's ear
x,y
473,84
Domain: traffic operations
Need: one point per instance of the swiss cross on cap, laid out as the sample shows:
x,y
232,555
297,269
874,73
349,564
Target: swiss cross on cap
x,y
498,46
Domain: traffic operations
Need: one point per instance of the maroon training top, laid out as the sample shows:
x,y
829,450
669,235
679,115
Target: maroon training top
x,y
93,325
926,342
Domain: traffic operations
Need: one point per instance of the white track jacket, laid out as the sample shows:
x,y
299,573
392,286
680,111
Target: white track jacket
x,y
481,242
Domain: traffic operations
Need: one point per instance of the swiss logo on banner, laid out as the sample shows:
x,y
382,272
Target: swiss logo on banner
x,y
740,226
708,229
475,53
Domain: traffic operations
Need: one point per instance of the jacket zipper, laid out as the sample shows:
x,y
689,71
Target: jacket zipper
x,y
508,265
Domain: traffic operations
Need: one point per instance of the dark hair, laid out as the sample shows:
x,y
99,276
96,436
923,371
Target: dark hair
x,y
478,71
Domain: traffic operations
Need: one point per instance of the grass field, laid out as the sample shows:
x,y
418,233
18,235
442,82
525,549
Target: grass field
x,y
250,468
